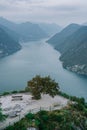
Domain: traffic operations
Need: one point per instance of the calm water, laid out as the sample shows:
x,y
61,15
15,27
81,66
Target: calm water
x,y
38,58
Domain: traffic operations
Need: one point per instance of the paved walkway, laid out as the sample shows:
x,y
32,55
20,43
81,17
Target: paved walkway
x,y
46,103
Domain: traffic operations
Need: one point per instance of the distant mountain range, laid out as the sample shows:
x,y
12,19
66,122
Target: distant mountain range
x,y
50,28
72,43
30,32
11,33
25,31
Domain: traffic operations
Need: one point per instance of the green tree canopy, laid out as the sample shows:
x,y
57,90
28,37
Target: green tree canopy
x,y
43,85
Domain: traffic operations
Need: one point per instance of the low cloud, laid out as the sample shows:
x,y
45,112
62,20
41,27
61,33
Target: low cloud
x,y
44,10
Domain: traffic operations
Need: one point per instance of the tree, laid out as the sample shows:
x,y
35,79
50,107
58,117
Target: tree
x,y
45,85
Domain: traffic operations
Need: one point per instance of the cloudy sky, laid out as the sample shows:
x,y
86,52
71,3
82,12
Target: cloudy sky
x,y
61,12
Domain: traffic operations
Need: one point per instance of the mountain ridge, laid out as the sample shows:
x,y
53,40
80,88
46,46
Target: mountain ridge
x,y
7,44
73,49
58,38
27,31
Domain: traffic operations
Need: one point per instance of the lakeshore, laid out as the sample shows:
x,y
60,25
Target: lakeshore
x,y
24,65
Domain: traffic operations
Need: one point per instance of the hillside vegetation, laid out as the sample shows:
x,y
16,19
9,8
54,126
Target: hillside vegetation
x,y
72,117
72,43
7,44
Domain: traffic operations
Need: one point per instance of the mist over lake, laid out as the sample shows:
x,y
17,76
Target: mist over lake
x,y
38,58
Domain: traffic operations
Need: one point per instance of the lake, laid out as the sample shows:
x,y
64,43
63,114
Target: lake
x,y
38,58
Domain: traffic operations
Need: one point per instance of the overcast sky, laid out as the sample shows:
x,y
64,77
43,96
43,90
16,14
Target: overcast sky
x,y
61,12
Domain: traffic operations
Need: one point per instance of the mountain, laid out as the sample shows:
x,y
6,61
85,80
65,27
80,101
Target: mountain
x,y
11,33
75,56
30,31
9,27
7,23
59,38
7,44
71,42
26,31
50,28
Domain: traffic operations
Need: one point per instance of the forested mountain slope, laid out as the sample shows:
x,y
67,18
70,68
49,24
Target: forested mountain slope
x,y
7,44
72,43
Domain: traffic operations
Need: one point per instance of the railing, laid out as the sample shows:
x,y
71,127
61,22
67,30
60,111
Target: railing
x,y
11,121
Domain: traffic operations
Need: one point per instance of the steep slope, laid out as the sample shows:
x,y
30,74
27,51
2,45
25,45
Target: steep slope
x,y
58,39
71,42
26,31
74,51
11,33
7,23
7,44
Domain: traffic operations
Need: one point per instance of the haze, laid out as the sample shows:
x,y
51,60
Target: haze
x,y
54,11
